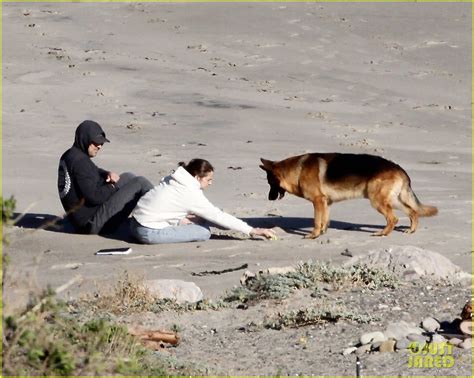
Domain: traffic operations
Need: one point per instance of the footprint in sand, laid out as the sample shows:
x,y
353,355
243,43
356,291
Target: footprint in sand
x,y
294,21
36,77
71,266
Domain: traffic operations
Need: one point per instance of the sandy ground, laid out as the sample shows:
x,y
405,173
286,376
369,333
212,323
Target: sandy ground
x,y
232,83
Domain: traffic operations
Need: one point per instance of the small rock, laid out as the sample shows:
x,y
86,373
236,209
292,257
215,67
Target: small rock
x,y
399,330
466,327
279,270
466,344
409,262
388,346
437,338
363,349
372,337
402,344
454,341
416,337
247,276
375,346
381,306
430,324
181,291
348,351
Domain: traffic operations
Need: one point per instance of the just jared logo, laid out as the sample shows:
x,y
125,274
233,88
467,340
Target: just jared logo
x,y
433,355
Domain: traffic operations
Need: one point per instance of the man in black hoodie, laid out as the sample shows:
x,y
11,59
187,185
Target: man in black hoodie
x,y
95,200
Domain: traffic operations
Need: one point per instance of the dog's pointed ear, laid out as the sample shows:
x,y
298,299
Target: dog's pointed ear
x,y
266,165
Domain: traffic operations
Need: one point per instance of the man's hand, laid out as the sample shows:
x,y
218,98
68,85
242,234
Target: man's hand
x,y
112,178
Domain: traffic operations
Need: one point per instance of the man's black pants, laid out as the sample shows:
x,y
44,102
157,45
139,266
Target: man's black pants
x,y
118,207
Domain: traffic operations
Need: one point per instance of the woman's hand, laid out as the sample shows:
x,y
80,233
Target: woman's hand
x,y
184,222
266,232
191,219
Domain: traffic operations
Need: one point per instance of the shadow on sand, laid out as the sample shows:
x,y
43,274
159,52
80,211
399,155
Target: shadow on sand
x,y
60,224
46,222
303,226
291,225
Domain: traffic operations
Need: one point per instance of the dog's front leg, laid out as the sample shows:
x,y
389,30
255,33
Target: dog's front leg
x,y
320,209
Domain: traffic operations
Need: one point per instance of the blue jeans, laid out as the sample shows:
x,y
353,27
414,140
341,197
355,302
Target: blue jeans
x,y
171,234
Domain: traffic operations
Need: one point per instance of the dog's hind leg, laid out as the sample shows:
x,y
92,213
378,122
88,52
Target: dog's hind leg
x,y
387,211
380,196
413,215
409,204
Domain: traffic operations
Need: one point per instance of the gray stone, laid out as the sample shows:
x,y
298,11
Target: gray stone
x,y
454,341
416,337
181,291
409,262
437,338
247,276
430,324
466,344
348,351
279,270
402,344
387,346
376,345
401,329
372,337
363,349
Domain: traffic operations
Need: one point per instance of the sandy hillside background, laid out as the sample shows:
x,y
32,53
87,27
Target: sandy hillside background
x,y
232,83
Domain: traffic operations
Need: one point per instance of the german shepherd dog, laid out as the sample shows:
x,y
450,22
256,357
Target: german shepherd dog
x,y
324,178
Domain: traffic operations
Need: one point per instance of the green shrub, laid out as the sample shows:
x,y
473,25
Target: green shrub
x,y
311,315
313,277
8,208
50,342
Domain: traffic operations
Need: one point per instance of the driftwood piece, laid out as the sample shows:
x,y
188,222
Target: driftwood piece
x,y
155,339
466,313
466,327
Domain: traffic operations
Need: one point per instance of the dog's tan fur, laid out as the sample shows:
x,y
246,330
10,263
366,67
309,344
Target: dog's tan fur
x,y
324,178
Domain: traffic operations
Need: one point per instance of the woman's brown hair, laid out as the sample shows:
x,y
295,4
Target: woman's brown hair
x,y
197,167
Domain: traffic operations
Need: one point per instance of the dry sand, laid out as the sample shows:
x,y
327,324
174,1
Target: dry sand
x,y
232,83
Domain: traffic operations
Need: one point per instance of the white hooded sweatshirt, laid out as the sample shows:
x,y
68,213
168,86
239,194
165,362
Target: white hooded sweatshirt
x,y
177,196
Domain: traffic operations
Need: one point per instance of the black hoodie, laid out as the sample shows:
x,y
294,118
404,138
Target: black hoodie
x,y
82,185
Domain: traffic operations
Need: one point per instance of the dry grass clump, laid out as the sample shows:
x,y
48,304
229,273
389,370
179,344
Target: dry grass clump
x,y
312,276
359,275
311,315
130,295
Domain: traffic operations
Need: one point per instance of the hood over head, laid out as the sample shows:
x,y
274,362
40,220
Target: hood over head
x,y
89,132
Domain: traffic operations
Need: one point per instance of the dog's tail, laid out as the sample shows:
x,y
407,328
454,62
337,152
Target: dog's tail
x,y
408,198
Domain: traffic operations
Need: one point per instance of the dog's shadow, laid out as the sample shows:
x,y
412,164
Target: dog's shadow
x,y
303,226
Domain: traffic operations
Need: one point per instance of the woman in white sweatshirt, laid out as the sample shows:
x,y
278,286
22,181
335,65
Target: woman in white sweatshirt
x,y
172,212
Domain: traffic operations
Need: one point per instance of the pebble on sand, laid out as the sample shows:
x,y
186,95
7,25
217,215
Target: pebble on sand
x,y
372,337
387,346
430,324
